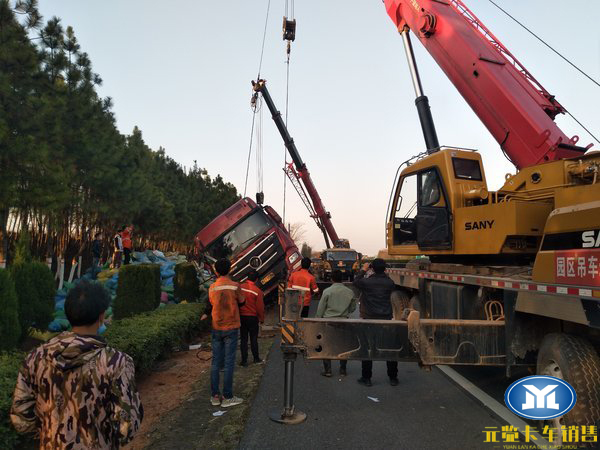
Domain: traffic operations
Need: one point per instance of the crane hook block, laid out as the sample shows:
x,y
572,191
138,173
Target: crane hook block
x,y
289,29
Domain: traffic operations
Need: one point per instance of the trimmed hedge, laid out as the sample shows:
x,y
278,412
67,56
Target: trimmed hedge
x,y
9,368
149,336
35,289
138,290
186,283
10,330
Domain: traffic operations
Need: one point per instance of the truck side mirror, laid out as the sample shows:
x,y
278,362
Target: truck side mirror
x,y
273,214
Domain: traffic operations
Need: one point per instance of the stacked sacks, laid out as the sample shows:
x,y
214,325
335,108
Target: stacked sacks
x,y
60,322
110,279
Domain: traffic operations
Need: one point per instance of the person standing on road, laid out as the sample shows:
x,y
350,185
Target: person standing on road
x,y
127,243
96,254
251,314
117,249
336,301
74,391
304,281
225,297
376,303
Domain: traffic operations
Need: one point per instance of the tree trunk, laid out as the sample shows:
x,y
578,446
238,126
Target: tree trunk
x,y
4,231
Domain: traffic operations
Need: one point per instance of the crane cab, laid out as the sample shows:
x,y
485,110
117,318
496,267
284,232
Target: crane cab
x,y
441,207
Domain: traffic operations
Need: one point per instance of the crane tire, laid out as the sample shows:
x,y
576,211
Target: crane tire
x,y
576,361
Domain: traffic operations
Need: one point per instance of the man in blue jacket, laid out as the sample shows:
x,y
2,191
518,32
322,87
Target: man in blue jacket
x,y
376,303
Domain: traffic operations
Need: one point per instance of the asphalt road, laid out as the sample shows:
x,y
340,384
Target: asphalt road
x,y
426,410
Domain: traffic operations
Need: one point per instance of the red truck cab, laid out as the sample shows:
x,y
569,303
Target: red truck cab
x,y
251,237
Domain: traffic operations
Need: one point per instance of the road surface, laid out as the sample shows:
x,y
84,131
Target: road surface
x,y
426,410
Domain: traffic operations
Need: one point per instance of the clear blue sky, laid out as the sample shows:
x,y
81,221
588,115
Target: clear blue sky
x,y
181,72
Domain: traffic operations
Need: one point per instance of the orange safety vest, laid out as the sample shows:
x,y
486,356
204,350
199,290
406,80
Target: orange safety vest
x,y
303,281
254,305
126,237
225,296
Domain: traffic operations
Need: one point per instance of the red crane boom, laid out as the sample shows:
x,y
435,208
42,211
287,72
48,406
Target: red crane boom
x,y
309,194
510,102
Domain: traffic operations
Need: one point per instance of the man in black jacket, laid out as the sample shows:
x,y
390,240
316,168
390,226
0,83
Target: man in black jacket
x,y
376,303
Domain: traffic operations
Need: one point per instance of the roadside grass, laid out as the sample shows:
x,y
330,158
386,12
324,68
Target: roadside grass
x,y
192,424
228,434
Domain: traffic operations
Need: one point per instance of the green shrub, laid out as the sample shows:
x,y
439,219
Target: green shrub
x,y
9,368
10,330
35,289
186,283
150,336
138,290
23,248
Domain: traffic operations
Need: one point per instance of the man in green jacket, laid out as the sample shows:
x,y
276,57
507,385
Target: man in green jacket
x,y
336,301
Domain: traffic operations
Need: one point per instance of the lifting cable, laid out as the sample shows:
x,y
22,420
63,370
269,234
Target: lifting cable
x,y
259,155
289,35
559,54
256,107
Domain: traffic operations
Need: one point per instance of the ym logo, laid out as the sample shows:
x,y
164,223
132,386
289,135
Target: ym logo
x,y
536,398
540,397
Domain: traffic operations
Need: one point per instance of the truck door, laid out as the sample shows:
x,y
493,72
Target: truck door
x,y
433,215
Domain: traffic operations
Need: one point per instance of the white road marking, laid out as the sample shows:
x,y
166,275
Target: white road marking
x,y
497,408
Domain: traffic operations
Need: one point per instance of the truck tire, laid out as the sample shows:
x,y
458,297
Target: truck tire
x,y
400,301
574,360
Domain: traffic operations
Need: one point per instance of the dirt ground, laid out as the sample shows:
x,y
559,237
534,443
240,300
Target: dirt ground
x,y
175,397
194,423
169,385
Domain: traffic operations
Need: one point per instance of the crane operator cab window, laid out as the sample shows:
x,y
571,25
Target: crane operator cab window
x,y
406,211
433,218
422,215
430,189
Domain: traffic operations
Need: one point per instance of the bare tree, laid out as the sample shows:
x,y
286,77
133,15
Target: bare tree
x,y
297,231
306,250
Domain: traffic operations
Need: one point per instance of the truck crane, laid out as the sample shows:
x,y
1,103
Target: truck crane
x,y
339,256
526,255
512,277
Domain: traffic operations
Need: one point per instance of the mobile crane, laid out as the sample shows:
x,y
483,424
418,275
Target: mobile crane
x,y
339,256
512,277
525,255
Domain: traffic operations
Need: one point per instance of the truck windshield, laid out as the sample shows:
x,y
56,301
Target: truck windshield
x,y
239,237
343,256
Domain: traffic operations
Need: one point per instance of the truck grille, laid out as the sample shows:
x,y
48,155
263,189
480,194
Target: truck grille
x,y
266,257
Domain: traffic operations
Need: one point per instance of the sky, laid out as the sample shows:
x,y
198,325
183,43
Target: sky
x,y
181,72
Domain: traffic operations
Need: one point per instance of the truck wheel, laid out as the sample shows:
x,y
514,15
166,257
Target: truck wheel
x,y
574,360
400,301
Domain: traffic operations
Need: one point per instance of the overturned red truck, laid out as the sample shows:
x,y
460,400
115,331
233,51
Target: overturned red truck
x,y
251,236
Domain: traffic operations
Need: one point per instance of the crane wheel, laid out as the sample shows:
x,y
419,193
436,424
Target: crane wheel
x,y
576,361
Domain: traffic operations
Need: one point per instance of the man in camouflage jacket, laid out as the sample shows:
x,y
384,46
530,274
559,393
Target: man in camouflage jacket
x,y
74,391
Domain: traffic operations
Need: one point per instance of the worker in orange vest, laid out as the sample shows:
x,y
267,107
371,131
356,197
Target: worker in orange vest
x,y
304,281
224,299
127,244
251,314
